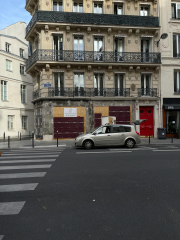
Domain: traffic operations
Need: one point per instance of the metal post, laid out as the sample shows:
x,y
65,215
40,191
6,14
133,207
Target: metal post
x,y
20,136
172,138
149,138
4,136
57,138
32,139
8,141
29,134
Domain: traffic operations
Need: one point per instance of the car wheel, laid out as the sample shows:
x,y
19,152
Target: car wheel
x,y
130,143
88,144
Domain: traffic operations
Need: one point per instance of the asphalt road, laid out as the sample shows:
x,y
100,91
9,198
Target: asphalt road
x,y
100,194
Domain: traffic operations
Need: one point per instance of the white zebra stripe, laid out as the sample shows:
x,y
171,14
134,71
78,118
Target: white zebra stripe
x,y
22,175
45,156
25,167
27,161
10,208
18,187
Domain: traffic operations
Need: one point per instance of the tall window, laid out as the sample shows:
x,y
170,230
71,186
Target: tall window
x,y
144,10
98,84
23,93
3,90
21,52
22,69
98,49
78,7
24,122
59,84
118,9
7,46
79,84
175,9
79,48
8,65
98,8
177,81
145,84
176,45
119,84
10,122
57,6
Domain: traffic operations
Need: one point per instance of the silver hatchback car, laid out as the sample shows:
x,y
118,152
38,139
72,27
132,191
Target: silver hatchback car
x,y
109,135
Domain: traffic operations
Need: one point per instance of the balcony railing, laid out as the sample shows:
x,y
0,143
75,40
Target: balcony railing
x,y
36,94
92,18
149,92
91,56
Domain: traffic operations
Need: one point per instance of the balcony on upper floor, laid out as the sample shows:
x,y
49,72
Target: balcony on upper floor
x,y
93,19
47,55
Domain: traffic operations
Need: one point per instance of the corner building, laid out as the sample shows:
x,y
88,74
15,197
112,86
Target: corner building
x,y
93,62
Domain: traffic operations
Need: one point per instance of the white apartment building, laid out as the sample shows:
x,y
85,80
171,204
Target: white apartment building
x,y
16,109
170,70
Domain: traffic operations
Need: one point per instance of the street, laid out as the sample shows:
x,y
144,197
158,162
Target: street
x,y
100,194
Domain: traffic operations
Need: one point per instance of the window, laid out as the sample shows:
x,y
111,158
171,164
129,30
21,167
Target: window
x,y
98,8
144,10
3,90
98,84
127,129
59,84
145,84
22,69
57,6
24,122
118,9
176,46
79,84
119,84
10,122
21,51
23,93
78,7
98,49
7,47
177,81
103,130
8,65
119,49
78,48
117,129
175,9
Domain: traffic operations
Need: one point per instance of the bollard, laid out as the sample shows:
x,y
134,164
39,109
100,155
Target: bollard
x,y
172,138
149,138
0,153
8,141
57,138
32,139
4,136
20,136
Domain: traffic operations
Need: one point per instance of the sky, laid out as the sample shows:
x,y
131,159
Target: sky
x,y
13,11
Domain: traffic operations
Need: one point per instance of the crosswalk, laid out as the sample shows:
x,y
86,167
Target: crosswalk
x,y
23,165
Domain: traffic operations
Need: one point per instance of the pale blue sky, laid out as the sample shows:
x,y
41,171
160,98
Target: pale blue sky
x,y
13,11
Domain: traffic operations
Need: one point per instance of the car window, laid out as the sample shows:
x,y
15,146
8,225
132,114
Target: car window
x,y
103,130
117,129
127,129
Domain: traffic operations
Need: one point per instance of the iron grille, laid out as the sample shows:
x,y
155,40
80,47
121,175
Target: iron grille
x,y
151,92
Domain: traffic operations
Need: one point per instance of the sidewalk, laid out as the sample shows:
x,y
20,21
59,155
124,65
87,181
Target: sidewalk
x,y
69,143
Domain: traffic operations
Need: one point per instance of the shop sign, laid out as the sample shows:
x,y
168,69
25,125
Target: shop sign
x,y
70,112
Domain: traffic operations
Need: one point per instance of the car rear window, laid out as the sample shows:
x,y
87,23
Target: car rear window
x,y
127,129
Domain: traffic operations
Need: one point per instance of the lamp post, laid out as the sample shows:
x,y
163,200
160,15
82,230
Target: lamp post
x,y
163,36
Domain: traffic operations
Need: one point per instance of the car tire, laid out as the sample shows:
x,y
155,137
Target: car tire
x,y
88,144
130,143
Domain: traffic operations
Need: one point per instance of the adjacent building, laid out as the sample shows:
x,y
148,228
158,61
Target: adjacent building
x,y
94,62
170,70
16,109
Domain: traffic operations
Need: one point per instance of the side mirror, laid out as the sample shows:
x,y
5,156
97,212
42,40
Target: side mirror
x,y
95,133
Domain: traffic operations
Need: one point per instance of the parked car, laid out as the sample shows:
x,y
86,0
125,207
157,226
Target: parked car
x,y
109,135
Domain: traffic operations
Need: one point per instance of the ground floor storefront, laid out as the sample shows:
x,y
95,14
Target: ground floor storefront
x,y
66,119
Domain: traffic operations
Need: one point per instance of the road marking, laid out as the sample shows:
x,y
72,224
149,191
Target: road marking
x,y
25,167
103,152
10,208
26,161
24,154
45,156
133,149
18,187
1,237
175,150
22,175
44,146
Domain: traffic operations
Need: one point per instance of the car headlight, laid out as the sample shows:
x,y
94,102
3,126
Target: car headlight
x,y
78,138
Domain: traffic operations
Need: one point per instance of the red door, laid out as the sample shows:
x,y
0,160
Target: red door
x,y
147,126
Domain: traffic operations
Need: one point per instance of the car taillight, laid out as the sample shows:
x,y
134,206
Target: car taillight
x,y
137,133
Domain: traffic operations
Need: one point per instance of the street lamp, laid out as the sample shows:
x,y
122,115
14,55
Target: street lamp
x,y
163,36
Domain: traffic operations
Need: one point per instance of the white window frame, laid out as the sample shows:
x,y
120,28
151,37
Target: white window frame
x,y
119,4
97,3
23,91
150,82
24,122
57,5
11,122
176,9
78,3
8,47
3,95
8,65
21,52
177,46
178,81
144,5
22,69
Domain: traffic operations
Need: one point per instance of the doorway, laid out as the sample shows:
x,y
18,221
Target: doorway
x,y
147,127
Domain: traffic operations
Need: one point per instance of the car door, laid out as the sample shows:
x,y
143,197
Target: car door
x,y
118,135
103,136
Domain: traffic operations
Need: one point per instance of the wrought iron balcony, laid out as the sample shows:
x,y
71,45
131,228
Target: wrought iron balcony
x,y
149,92
92,18
83,92
91,56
